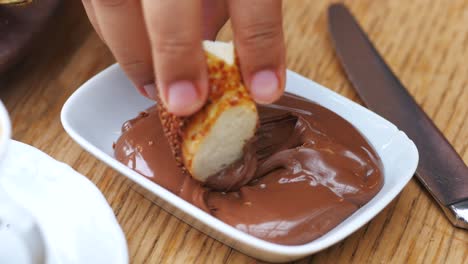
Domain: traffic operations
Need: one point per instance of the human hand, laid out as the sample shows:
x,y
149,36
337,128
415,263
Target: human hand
x,y
158,43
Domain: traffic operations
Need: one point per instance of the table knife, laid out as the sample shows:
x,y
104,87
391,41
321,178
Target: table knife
x,y
441,170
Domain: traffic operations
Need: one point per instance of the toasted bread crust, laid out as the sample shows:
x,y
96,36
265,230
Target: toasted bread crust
x,y
226,91
173,127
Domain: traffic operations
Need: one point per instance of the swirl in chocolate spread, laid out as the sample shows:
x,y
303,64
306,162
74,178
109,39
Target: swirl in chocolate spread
x,y
307,171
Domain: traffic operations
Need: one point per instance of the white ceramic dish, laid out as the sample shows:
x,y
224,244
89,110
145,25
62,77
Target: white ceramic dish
x,y
93,116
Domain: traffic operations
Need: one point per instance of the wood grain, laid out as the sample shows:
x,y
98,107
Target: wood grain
x,y
424,41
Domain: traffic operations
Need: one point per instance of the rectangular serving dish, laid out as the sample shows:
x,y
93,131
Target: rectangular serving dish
x,y
94,114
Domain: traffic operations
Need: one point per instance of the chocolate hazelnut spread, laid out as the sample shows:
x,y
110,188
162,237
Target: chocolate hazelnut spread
x,y
306,171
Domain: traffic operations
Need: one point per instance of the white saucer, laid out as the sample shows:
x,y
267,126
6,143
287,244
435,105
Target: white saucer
x,y
76,223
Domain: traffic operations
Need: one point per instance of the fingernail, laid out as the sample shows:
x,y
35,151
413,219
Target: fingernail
x,y
182,98
264,86
150,90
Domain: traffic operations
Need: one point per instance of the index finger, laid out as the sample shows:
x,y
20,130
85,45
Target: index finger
x,y
174,28
258,34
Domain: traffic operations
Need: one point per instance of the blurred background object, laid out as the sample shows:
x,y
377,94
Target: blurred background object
x,y
14,2
20,22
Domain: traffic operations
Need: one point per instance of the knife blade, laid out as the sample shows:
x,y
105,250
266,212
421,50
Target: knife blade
x,y
441,170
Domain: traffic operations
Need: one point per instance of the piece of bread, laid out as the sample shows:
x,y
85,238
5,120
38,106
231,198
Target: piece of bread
x,y
214,137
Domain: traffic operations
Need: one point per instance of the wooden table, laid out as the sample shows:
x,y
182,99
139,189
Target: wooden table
x,y
426,44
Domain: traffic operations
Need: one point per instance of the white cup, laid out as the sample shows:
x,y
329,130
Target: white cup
x,y
21,240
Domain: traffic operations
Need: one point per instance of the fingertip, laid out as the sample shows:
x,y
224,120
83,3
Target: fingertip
x,y
149,90
183,98
265,87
